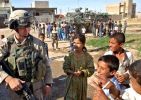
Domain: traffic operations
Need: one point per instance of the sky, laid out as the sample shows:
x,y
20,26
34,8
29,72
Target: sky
x,y
69,5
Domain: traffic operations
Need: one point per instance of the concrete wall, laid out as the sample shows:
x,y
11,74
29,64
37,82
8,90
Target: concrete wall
x,y
40,4
45,18
112,9
115,17
126,8
5,3
134,21
129,7
138,15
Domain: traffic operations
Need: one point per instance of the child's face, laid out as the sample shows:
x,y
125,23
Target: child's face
x,y
78,45
103,70
42,38
114,45
134,83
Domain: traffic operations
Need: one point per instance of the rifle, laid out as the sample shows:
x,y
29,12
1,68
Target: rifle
x,y
27,93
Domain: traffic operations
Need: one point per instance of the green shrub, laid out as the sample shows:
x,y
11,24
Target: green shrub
x,y
99,42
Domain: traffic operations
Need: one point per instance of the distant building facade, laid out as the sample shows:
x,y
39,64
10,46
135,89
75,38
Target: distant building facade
x,y
39,9
139,15
40,4
5,9
125,9
42,12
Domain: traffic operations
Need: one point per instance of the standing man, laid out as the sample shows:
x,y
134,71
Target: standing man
x,y
67,28
124,26
26,61
94,28
49,29
119,26
54,38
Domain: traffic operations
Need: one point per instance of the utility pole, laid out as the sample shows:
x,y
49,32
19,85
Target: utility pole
x,y
78,3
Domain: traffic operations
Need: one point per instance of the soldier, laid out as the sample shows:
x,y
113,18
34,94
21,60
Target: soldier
x,y
25,59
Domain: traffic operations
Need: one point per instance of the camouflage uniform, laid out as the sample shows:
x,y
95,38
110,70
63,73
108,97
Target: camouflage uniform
x,y
40,81
36,73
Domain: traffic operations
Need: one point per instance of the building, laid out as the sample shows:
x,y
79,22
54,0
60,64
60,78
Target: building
x,y
39,9
125,9
42,14
5,9
139,15
40,4
5,6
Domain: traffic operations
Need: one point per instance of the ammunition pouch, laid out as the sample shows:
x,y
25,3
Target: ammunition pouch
x,y
21,66
28,66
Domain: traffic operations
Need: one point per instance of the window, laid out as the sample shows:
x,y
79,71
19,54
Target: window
x,y
6,1
37,14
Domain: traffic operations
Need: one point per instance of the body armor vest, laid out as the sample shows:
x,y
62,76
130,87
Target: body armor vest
x,y
23,59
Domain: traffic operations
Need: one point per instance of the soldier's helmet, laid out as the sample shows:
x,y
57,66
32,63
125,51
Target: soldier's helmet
x,y
19,18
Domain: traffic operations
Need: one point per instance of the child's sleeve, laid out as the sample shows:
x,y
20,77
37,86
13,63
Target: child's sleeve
x,y
89,70
67,65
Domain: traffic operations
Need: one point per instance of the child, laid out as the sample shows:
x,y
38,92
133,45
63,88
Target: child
x,y
54,38
78,66
103,78
42,38
71,35
125,58
39,29
134,92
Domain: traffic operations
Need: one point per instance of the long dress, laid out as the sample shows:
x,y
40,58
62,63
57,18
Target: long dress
x,y
76,87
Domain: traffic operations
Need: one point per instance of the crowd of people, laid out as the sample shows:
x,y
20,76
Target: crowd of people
x,y
101,28
56,32
24,59
63,30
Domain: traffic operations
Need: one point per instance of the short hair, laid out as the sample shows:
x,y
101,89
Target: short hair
x,y
120,37
82,39
2,36
135,70
111,60
41,34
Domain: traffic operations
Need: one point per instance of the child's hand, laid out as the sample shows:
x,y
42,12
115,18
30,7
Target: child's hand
x,y
121,77
114,92
77,73
98,92
100,95
94,80
96,85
